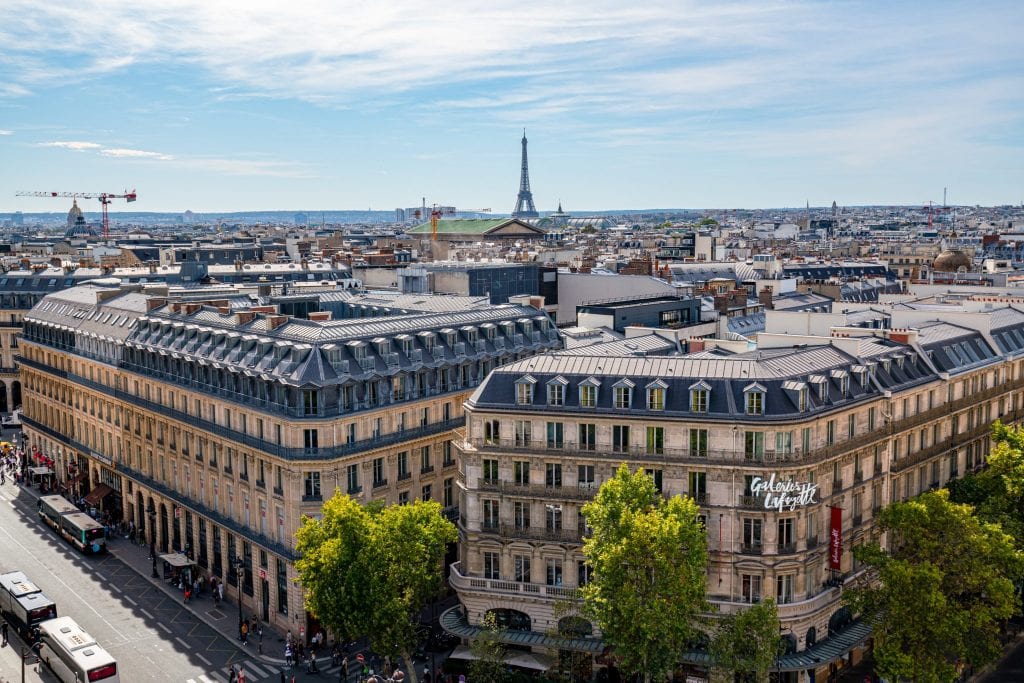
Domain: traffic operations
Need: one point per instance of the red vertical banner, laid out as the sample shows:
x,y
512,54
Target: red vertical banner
x,y
835,542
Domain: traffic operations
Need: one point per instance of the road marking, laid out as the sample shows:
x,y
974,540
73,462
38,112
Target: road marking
x,y
130,600
203,678
203,659
163,628
145,613
258,671
63,583
182,641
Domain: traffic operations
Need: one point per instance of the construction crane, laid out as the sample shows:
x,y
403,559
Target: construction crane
x,y
104,198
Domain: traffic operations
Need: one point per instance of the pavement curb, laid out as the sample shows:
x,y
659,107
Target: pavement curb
x,y
198,615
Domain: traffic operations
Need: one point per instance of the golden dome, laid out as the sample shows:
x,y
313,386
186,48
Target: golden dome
x,y
74,214
951,261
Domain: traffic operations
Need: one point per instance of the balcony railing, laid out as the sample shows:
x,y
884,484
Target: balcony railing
x,y
578,492
540,534
751,548
460,582
263,445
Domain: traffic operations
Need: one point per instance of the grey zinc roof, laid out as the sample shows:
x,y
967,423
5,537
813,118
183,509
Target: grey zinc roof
x,y
646,345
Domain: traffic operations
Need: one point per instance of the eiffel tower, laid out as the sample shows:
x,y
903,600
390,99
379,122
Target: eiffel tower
x,y
524,202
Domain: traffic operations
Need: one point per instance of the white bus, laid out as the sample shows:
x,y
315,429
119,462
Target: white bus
x,y
73,655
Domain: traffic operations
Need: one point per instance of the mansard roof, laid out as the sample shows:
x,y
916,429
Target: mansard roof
x,y
727,376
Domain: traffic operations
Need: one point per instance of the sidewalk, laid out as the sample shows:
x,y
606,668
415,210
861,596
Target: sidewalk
x,y
222,617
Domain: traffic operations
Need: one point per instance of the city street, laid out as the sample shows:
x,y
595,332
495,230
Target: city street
x,y
151,634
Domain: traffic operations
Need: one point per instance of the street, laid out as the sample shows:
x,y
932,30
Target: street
x,y
152,635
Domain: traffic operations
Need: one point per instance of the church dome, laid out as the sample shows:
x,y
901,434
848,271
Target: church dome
x,y
951,261
80,229
74,214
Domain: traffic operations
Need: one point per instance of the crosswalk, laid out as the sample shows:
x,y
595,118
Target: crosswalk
x,y
253,672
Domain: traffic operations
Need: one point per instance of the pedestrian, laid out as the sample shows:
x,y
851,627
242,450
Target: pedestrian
x,y
244,635
282,677
3,633
232,674
344,668
288,654
241,675
188,594
220,589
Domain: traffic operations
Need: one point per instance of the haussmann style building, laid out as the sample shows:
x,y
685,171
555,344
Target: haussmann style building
x,y
216,425
790,450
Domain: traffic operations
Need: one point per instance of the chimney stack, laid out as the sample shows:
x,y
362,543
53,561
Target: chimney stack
x,y
765,298
275,321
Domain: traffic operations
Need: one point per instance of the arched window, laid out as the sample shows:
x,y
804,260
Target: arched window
x,y
812,637
510,619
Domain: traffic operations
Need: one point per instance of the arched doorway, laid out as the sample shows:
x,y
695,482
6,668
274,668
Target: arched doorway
x,y
812,637
510,619
3,401
140,515
176,529
15,394
163,528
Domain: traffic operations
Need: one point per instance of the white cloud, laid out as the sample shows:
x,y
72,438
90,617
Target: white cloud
x,y
6,132
121,153
226,166
73,145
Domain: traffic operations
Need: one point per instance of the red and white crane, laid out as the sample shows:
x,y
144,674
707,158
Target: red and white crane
x,y
104,197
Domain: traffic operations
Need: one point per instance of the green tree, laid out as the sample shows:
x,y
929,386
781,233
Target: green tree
x,y
997,492
489,652
938,595
748,641
368,571
649,558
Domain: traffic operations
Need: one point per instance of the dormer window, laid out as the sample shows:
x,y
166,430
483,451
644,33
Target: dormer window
x,y
588,393
623,393
700,395
797,391
820,384
556,391
842,378
861,372
899,361
656,395
524,390
753,399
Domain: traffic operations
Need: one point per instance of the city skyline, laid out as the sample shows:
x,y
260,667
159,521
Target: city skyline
x,y
202,107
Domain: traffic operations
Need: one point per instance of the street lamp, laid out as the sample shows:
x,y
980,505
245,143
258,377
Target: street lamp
x,y
239,565
152,537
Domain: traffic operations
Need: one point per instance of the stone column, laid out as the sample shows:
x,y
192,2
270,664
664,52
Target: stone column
x,y
10,394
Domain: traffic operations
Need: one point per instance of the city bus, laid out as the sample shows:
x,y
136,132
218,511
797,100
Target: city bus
x,y
24,604
52,508
84,532
73,655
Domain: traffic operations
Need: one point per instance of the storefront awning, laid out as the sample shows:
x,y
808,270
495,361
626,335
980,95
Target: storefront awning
x,y
98,494
176,560
523,660
40,471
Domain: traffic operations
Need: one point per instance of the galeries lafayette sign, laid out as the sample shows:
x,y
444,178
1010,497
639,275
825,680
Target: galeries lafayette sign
x,y
783,494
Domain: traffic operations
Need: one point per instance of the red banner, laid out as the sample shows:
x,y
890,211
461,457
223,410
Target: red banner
x,y
835,543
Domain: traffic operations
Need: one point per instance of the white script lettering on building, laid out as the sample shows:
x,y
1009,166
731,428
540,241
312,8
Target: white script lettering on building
x,y
783,494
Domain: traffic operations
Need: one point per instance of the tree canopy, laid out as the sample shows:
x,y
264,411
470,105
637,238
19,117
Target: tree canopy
x,y
649,558
748,641
368,571
937,596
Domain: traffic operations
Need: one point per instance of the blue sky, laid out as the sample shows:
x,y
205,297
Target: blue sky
x,y
221,106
